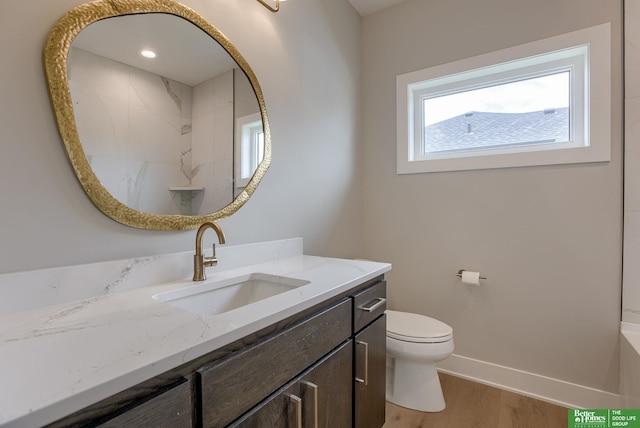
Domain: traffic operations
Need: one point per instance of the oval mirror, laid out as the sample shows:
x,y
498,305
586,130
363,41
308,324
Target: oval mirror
x,y
163,120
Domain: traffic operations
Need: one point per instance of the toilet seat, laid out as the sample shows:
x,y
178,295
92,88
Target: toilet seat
x,y
416,328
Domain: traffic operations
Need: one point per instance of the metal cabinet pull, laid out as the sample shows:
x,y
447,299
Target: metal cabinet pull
x,y
297,409
309,388
366,363
378,302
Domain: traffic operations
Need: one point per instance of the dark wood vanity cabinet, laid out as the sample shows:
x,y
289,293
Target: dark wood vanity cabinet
x,y
322,368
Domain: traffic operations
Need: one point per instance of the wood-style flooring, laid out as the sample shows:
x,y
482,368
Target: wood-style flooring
x,y
473,405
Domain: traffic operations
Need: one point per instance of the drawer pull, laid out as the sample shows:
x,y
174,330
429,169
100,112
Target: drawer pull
x,y
366,363
297,409
378,302
307,389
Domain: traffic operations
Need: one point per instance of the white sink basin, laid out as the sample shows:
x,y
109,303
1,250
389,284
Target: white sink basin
x,y
217,297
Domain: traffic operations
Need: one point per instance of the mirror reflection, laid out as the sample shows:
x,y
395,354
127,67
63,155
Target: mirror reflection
x,y
179,133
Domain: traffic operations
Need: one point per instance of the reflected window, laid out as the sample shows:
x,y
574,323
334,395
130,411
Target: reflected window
x,y
249,147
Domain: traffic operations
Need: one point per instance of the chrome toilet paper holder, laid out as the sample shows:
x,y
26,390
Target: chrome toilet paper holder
x,y
459,274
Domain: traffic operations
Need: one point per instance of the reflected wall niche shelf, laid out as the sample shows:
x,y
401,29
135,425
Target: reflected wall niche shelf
x,y
186,189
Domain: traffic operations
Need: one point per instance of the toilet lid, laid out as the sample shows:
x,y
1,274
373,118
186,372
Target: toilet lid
x,y
416,328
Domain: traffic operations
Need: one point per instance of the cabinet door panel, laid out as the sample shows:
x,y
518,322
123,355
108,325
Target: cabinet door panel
x,y
370,374
333,378
324,393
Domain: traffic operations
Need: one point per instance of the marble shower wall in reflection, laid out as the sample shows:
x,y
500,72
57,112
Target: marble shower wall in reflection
x,y
213,118
144,134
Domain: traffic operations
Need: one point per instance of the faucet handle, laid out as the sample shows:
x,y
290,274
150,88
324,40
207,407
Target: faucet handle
x,y
211,261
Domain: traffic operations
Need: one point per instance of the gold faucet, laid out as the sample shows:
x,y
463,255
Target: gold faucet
x,y
199,260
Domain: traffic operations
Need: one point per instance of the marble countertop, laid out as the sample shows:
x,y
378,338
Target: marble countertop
x,y
60,358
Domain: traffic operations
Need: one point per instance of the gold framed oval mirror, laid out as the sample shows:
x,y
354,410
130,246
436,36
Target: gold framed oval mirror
x,y
161,145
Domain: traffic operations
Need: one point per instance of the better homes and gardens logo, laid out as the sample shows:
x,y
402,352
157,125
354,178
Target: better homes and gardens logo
x,y
604,418
589,418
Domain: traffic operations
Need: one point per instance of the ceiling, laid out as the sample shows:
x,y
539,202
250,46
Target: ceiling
x,y
367,7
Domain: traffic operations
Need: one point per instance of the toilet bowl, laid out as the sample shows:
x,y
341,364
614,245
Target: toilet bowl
x,y
414,344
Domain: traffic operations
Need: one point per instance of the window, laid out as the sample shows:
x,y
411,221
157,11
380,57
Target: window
x,y
515,114
547,102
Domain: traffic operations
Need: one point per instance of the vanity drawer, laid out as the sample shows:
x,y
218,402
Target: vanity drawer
x,y
369,304
230,387
171,408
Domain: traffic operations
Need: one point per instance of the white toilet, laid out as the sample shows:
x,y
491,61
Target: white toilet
x,y
414,344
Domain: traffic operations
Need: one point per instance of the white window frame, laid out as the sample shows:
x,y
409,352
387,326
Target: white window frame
x,y
587,53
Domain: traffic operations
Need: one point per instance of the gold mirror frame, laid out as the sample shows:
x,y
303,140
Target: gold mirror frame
x,y
56,52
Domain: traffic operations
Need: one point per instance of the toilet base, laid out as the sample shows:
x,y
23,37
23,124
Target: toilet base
x,y
415,386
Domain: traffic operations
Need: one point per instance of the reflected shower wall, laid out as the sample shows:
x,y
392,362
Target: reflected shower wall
x,y
144,134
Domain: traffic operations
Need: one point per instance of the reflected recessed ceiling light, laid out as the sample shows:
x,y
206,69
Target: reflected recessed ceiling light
x,y
148,53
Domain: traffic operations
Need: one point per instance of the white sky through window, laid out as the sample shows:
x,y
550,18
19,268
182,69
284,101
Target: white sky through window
x,y
538,93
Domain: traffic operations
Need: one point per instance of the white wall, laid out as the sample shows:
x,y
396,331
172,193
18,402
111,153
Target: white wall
x,y
307,60
548,238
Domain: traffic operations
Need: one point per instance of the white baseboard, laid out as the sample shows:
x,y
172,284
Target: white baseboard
x,y
532,385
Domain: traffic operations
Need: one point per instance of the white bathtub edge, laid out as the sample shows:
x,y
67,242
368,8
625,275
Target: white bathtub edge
x,y
630,365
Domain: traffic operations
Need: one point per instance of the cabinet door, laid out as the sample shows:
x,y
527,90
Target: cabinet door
x,y
370,375
319,398
327,391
